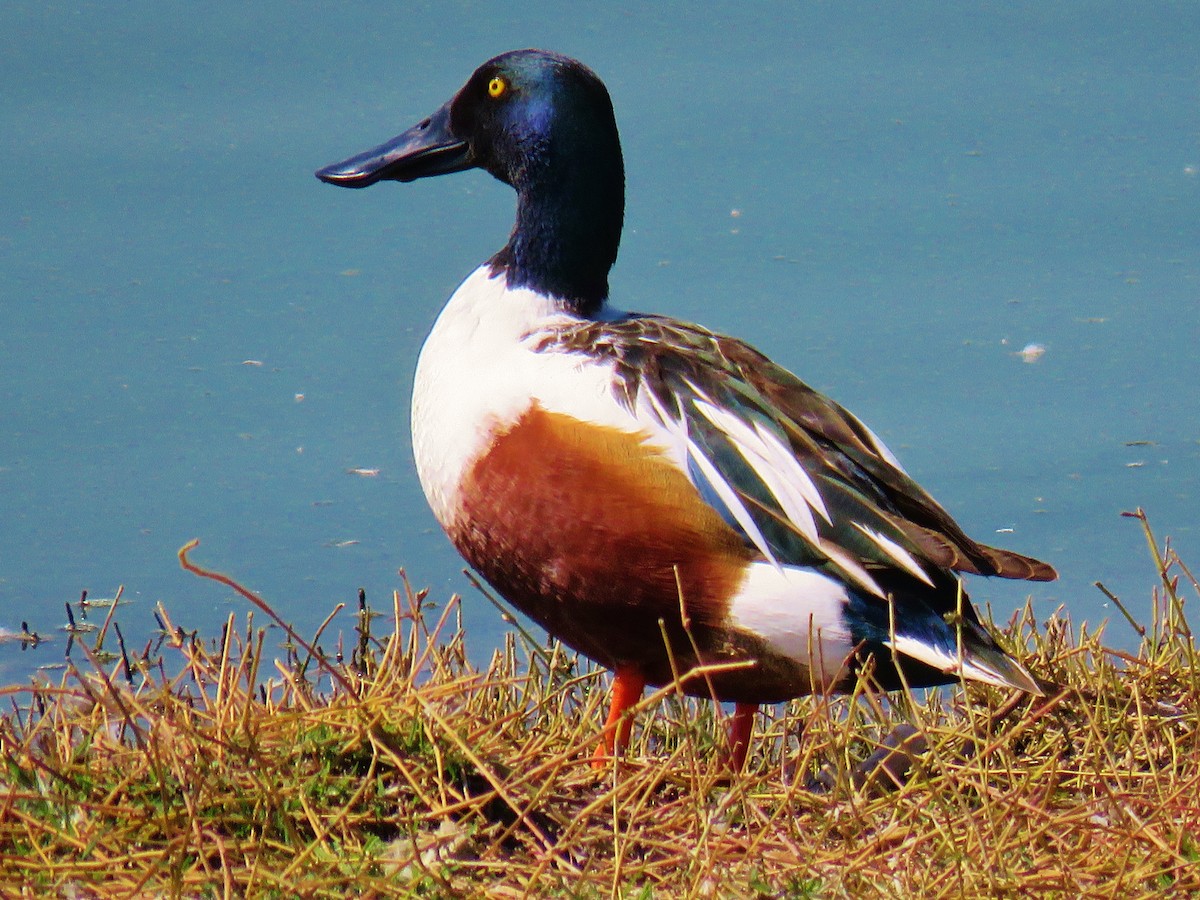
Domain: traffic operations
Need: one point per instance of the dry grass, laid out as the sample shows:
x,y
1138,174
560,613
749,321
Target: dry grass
x,y
208,770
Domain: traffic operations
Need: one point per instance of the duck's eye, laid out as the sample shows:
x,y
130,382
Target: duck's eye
x,y
496,87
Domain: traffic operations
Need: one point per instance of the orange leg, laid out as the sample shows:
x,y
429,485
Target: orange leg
x,y
628,684
740,730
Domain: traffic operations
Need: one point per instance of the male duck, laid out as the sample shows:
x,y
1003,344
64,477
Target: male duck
x,y
634,483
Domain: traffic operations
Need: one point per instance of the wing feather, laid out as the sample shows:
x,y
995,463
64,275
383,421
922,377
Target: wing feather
x,y
803,480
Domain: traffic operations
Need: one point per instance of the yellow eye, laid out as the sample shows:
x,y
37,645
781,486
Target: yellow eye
x,y
496,87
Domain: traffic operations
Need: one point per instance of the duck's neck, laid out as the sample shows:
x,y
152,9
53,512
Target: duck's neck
x,y
569,216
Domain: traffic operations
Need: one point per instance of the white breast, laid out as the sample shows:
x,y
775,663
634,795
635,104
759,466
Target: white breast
x,y
478,372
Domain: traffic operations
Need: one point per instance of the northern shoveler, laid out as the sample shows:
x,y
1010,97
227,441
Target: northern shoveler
x,y
634,483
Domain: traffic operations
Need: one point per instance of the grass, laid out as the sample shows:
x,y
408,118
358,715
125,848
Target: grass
x,y
394,768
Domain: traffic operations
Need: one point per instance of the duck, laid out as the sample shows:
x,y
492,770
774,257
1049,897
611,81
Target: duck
x,y
665,500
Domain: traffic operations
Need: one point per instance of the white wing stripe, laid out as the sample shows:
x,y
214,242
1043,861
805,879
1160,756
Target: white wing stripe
x,y
852,567
731,500
698,391
678,429
790,500
764,460
785,461
895,552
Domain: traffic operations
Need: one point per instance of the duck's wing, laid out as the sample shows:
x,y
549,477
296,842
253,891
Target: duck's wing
x,y
804,481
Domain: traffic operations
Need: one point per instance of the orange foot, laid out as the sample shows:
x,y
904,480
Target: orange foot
x,y
628,684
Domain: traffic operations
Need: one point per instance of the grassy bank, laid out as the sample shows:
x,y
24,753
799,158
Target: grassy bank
x,y
389,766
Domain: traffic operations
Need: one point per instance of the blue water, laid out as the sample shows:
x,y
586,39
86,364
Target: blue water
x,y
197,339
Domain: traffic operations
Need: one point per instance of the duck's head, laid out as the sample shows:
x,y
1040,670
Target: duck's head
x,y
544,124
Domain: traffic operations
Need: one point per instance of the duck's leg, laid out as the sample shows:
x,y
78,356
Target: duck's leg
x,y
740,729
628,684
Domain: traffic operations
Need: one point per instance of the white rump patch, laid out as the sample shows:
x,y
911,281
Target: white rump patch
x,y
798,613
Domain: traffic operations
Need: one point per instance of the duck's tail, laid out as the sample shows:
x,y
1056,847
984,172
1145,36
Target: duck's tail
x,y
974,656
